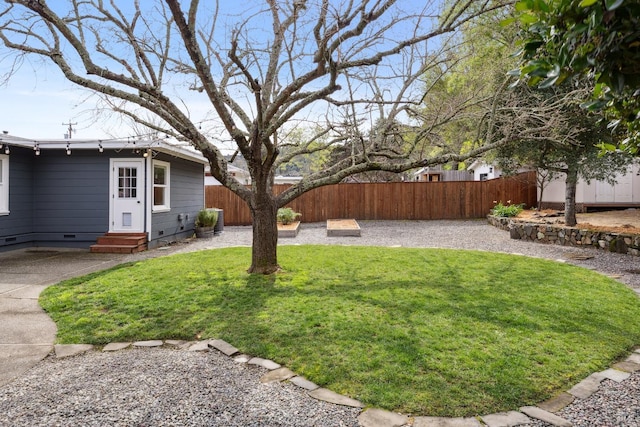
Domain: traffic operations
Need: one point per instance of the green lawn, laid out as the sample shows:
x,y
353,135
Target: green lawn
x,y
422,331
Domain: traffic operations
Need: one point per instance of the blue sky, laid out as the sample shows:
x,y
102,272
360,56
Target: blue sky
x,y
37,100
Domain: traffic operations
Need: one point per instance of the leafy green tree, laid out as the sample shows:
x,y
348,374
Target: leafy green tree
x,y
304,151
599,39
550,132
464,87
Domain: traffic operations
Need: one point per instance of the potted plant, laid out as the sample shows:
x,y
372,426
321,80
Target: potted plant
x,y
205,222
287,224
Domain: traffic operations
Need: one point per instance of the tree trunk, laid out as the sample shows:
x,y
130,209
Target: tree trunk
x,y
570,197
264,259
541,183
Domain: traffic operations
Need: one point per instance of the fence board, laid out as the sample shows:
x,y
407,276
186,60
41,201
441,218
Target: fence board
x,y
390,201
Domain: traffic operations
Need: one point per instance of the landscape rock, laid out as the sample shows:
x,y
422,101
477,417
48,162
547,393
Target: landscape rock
x,y
333,397
304,383
199,346
68,350
380,418
586,387
265,363
150,343
545,416
116,346
445,422
557,403
223,346
279,374
505,419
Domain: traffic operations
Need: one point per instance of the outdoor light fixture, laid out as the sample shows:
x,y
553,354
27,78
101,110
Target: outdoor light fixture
x,y
6,149
100,148
147,153
68,149
36,148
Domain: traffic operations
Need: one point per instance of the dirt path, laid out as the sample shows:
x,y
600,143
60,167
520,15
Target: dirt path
x,y
622,221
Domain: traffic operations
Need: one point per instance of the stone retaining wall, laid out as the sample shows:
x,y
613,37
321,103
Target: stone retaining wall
x,y
568,236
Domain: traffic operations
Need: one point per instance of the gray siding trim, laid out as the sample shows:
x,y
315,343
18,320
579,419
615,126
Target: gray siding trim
x,y
44,240
187,198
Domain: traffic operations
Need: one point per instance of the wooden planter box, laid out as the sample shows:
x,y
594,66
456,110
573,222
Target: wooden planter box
x,y
343,227
288,230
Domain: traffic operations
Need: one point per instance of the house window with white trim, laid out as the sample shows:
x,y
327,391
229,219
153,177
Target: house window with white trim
x,y
161,188
4,185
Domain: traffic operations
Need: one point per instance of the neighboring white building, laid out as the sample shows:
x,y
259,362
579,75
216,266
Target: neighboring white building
x,y
241,175
287,179
436,174
625,193
483,171
245,177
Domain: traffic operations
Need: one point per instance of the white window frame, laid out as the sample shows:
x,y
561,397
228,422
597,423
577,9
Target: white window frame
x,y
167,186
4,185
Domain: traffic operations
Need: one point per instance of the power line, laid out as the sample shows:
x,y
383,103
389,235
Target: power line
x,y
70,129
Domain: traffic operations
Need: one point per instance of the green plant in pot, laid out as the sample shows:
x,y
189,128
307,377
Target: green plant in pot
x,y
287,215
205,222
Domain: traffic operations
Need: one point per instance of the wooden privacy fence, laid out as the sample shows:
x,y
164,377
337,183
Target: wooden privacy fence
x,y
390,200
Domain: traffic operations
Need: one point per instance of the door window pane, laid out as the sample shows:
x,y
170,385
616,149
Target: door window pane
x,y
127,183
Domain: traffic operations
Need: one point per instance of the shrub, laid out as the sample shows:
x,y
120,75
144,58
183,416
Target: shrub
x,y
287,215
507,210
207,218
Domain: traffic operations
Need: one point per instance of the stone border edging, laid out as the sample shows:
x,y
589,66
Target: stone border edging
x,y
372,417
624,243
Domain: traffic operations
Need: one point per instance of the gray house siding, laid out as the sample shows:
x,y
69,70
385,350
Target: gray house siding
x,y
16,229
57,200
71,198
186,186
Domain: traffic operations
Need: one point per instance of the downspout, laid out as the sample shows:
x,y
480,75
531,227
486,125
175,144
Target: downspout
x,y
147,198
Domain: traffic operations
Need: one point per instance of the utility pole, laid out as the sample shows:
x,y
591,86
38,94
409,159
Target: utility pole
x,y
70,129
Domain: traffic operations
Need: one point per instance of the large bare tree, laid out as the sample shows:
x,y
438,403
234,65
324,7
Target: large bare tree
x,y
263,68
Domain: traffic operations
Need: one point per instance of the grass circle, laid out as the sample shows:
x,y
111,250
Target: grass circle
x,y
421,331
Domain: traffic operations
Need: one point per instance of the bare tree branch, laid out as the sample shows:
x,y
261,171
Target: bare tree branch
x,y
355,69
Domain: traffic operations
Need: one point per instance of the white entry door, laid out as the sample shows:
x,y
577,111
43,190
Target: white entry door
x,y
127,195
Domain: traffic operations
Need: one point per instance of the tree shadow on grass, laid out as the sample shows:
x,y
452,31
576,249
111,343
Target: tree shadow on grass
x,y
447,337
413,341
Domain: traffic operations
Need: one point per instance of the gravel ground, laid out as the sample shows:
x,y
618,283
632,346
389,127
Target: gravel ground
x,y
167,387
159,387
614,404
